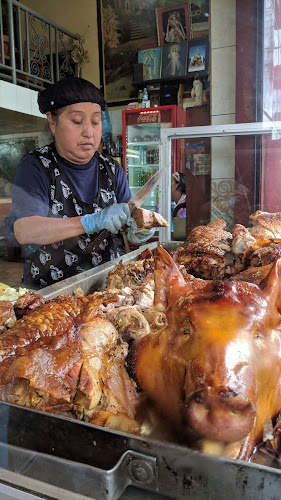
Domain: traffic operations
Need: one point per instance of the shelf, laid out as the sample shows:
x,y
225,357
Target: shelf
x,y
170,80
139,187
143,143
144,165
166,81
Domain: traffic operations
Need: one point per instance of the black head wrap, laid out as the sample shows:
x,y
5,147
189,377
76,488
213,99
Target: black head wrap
x,y
69,91
180,179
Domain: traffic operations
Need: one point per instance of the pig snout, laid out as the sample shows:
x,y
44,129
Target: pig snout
x,y
219,414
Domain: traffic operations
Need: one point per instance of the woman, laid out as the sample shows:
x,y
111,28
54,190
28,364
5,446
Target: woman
x,y
178,193
67,191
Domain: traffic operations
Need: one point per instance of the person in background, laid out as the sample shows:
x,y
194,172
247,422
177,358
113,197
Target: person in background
x,y
178,193
65,193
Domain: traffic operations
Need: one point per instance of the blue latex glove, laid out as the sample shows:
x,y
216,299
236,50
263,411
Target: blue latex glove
x,y
138,235
111,218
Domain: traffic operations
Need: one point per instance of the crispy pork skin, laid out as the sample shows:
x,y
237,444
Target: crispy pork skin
x,y
64,357
207,251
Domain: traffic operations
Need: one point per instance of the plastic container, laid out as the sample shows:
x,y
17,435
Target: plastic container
x,y
144,102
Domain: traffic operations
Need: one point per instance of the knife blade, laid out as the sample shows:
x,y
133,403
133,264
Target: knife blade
x,y
135,202
146,190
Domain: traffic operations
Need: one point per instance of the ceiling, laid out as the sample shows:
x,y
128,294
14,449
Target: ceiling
x,y
13,122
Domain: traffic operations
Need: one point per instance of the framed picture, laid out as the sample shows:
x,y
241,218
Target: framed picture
x,y
194,148
174,60
199,19
173,24
151,60
198,57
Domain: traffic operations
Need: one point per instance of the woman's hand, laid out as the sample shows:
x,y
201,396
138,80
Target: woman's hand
x,y
111,218
138,235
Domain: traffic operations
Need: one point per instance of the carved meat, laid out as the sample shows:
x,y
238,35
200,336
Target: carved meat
x,y
28,302
131,274
64,357
129,322
215,370
7,315
148,219
260,244
207,251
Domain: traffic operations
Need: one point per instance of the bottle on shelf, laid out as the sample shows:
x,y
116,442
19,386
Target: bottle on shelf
x,y
144,102
118,150
141,155
156,156
139,177
140,99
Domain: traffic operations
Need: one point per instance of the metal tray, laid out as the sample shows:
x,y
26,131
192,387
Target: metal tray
x,y
94,279
66,459
70,460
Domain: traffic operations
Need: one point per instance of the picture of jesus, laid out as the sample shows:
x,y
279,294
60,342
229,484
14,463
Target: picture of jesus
x,y
174,60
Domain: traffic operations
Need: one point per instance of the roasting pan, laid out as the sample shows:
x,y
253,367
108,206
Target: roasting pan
x,y
94,279
53,457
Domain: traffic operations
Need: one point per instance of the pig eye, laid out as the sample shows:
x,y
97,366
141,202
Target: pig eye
x,y
257,332
186,327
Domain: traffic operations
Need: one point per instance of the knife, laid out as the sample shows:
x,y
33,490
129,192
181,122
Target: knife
x,y
134,203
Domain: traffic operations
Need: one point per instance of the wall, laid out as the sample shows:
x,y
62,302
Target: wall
x,y
223,99
77,17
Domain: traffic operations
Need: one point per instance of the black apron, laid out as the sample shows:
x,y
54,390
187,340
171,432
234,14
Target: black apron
x,y
58,261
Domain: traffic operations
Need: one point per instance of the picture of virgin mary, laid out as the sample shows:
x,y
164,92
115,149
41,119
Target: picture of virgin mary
x,y
175,31
151,59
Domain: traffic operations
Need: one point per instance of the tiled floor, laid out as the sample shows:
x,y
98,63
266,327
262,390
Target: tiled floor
x,y
11,272
11,266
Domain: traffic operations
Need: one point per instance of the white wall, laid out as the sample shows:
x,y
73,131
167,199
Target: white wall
x,y
222,109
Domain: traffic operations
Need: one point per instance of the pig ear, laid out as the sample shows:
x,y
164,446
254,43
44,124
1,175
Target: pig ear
x,y
271,284
168,279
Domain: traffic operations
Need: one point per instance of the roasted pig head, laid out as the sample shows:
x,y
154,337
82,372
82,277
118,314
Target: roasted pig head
x,y
214,371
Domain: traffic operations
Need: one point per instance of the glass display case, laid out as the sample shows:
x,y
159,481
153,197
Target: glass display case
x,y
141,136
236,175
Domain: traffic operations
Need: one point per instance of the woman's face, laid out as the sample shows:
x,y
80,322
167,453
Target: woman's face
x,y
77,131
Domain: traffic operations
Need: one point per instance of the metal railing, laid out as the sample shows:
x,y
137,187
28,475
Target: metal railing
x,y
34,51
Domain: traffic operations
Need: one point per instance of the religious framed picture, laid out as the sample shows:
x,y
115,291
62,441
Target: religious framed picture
x,y
173,24
151,60
174,60
198,57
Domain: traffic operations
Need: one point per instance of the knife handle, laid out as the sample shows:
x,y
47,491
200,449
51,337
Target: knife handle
x,y
92,246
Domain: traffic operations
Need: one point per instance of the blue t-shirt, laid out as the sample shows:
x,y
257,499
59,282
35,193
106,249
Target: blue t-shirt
x,y
31,190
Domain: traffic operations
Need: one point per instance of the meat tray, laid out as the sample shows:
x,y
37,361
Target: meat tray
x,y
94,279
66,459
